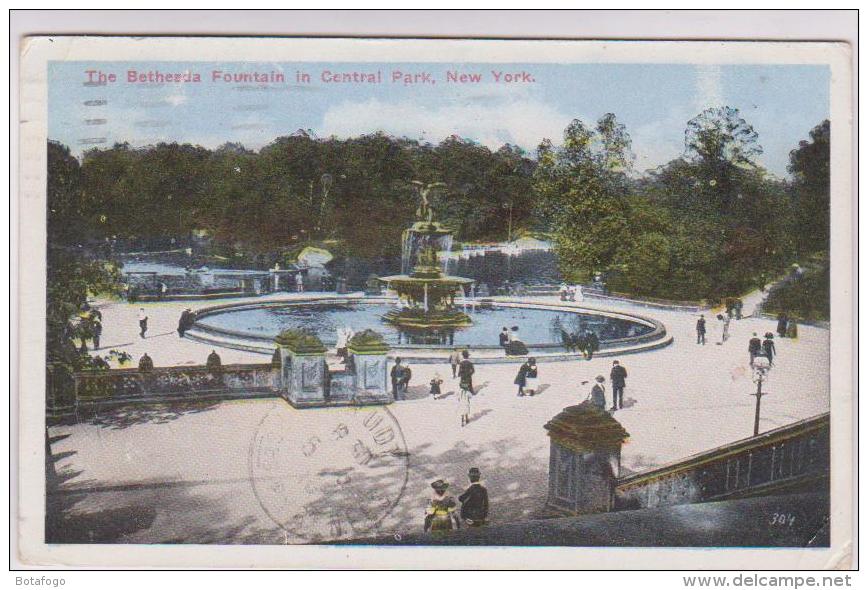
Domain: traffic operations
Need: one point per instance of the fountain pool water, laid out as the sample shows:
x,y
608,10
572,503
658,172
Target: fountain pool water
x,y
539,325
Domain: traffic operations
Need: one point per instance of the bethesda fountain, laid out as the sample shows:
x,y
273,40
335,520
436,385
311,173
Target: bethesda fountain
x,y
427,294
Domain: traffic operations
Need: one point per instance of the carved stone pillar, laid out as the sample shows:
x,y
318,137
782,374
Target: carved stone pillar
x,y
584,460
370,382
303,378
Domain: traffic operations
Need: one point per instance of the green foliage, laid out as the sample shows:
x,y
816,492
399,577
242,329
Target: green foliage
x,y
367,341
300,341
582,191
299,190
806,298
809,191
710,224
75,268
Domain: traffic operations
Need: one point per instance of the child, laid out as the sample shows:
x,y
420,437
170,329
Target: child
x,y
531,378
435,386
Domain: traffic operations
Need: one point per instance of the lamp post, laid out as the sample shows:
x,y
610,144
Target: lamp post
x,y
761,368
509,227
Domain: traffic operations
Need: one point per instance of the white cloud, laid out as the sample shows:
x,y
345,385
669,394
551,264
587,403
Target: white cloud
x,y
709,88
524,122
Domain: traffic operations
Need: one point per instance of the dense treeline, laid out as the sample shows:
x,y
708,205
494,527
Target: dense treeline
x,y
299,189
709,224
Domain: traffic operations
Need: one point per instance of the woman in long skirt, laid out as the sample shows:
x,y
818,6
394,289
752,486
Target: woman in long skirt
x,y
440,514
464,396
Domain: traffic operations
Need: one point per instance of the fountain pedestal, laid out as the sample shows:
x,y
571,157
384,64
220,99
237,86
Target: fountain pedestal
x,y
429,293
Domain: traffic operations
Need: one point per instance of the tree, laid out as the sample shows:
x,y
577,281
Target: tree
x,y
582,191
720,142
809,165
74,266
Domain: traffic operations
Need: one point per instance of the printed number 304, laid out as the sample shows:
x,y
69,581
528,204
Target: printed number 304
x,y
783,519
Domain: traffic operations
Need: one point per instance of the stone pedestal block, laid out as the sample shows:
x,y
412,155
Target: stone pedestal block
x,y
584,460
303,378
370,384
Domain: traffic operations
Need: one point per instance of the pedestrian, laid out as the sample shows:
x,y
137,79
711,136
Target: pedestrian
x,y
792,328
783,319
739,305
531,378
163,289
618,377
143,322
720,319
435,384
724,336
440,514
299,282
521,378
465,373
474,501
769,347
454,361
598,393
464,396
404,382
96,332
504,337
593,344
185,322
700,330
577,294
581,340
515,346
146,363
396,374
564,291
754,348
213,363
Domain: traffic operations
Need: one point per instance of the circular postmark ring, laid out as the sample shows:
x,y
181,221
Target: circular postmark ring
x,y
336,477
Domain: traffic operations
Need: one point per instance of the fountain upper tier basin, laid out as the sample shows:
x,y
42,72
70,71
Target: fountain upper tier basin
x,y
253,326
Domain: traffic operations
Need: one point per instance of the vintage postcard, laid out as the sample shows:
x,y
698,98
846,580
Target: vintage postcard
x,y
366,302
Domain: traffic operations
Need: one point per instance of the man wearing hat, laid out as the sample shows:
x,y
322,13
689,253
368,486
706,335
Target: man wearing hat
x,y
474,501
440,513
769,347
618,377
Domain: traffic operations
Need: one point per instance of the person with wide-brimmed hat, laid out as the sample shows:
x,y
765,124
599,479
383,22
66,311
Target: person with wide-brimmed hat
x,y
598,393
440,514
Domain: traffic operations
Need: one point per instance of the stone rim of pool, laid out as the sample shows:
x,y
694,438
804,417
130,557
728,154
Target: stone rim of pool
x,y
657,338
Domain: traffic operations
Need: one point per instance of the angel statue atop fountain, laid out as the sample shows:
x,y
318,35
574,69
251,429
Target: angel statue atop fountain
x,y
424,212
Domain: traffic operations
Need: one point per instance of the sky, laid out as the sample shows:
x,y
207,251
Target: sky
x,y
654,101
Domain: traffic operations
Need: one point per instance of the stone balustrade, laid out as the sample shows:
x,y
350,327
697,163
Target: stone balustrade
x,y
793,458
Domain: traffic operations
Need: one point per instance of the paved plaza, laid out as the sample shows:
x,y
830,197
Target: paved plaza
x,y
188,473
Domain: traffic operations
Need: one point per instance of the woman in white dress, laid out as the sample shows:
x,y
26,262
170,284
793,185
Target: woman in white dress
x,y
464,397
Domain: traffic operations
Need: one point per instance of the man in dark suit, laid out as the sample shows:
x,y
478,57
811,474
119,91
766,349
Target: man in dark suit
x,y
396,374
618,377
754,348
593,344
474,501
700,330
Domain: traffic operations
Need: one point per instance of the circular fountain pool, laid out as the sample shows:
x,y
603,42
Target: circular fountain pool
x,y
253,326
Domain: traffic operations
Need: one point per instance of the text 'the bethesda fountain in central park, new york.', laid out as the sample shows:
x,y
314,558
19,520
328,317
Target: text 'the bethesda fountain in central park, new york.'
x,y
427,294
